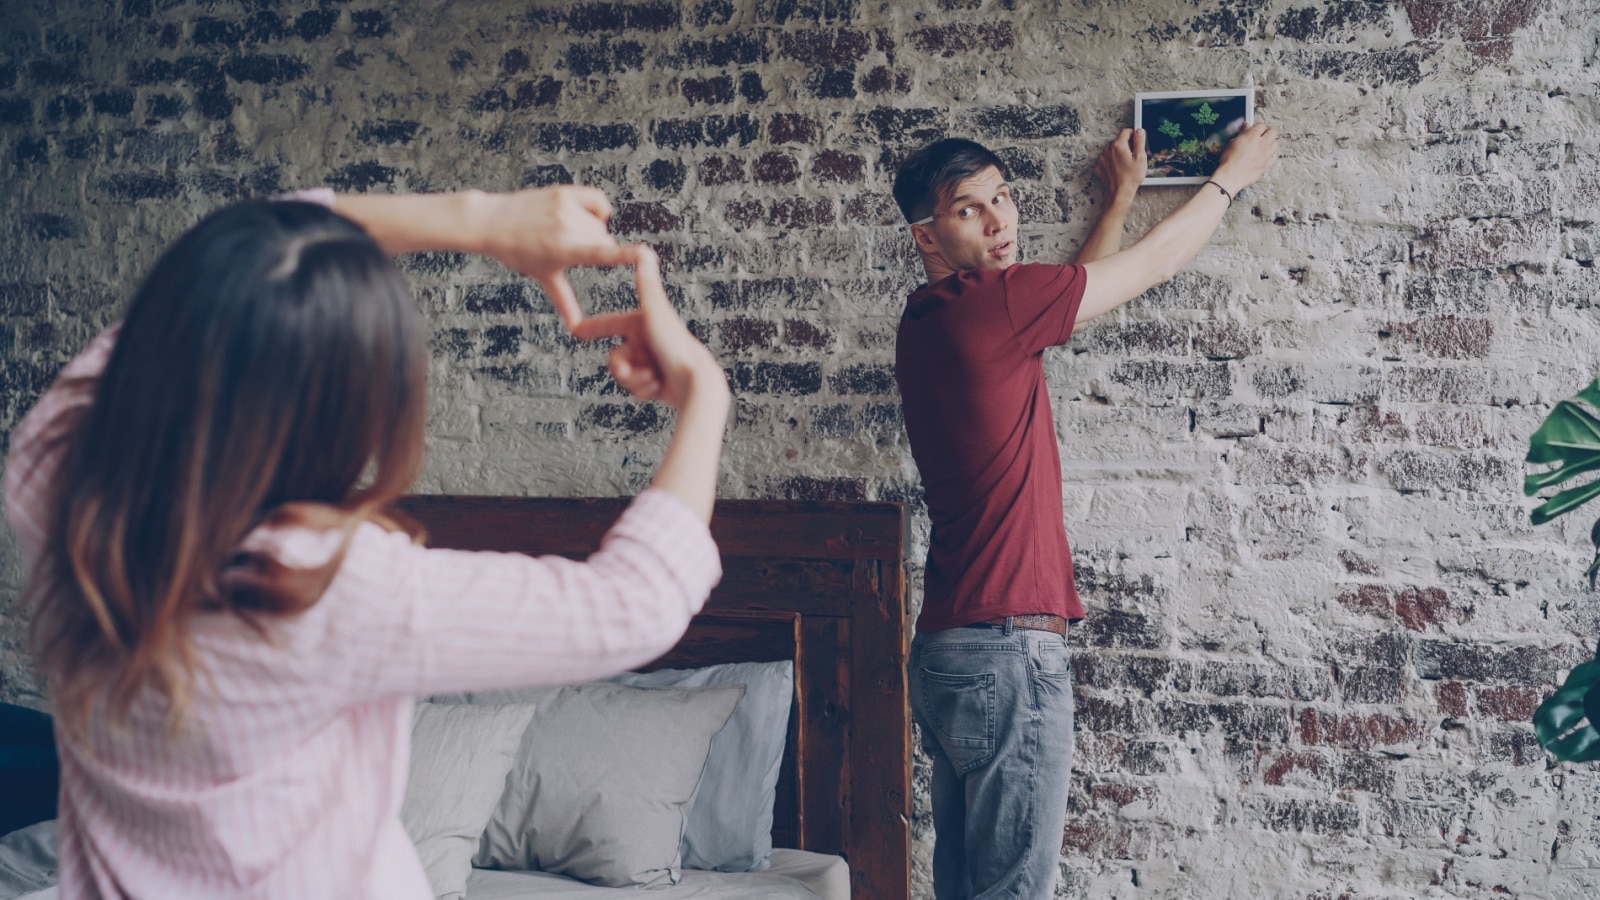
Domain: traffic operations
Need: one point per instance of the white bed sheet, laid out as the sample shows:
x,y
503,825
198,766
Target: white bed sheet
x,y
794,874
28,856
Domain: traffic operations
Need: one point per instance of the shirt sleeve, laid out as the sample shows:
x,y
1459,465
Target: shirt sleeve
x,y
322,196
1042,301
399,619
40,441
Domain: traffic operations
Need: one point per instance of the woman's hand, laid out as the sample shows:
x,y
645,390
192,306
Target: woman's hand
x,y
1121,167
542,232
658,358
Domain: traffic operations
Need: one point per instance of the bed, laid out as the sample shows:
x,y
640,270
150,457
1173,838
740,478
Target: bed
x,y
821,583
818,583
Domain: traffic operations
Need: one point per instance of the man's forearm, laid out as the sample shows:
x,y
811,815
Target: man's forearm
x,y
1105,238
1118,278
1175,241
1166,248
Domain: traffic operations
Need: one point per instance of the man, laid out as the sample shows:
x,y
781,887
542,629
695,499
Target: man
x,y
989,679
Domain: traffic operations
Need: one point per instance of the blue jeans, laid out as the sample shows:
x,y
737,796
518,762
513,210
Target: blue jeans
x,y
995,708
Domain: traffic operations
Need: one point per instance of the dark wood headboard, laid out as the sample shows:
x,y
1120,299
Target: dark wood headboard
x,y
821,583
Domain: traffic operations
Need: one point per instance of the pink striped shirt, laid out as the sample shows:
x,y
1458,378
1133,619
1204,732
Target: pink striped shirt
x,y
288,777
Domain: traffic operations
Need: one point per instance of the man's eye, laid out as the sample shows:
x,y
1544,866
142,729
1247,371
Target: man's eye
x,y
1000,199
967,212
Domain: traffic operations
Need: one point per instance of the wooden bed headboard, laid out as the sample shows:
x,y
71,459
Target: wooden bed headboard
x,y
821,583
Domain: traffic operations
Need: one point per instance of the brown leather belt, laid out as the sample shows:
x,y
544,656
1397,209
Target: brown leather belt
x,y
1040,622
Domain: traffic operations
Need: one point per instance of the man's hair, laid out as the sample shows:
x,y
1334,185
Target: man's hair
x,y
928,175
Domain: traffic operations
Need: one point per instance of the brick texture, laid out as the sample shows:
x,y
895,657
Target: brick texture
x,y
1318,620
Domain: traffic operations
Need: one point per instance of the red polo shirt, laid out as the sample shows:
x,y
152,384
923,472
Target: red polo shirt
x,y
969,361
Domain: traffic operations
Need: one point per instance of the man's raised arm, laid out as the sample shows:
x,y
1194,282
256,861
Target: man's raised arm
x,y
1114,280
1121,168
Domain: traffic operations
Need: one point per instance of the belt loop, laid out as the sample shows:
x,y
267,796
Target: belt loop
x,y
1009,626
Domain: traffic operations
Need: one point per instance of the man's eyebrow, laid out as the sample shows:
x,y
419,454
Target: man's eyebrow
x,y
1004,186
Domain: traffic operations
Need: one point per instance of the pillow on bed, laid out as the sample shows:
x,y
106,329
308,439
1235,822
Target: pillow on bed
x,y
601,780
459,759
730,815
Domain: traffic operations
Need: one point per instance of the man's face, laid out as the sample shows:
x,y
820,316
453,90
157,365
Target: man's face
x,y
976,226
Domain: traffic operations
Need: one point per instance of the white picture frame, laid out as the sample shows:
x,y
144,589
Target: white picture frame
x,y
1182,146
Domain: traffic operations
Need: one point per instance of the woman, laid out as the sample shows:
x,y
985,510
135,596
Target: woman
x,y
231,628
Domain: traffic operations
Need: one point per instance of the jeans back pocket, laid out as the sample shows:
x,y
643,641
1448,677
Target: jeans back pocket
x,y
960,710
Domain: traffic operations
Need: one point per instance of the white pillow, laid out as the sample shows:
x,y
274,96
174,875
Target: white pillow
x,y
601,781
729,818
459,759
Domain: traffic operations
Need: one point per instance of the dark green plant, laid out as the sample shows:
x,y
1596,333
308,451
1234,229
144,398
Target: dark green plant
x,y
1190,147
1569,443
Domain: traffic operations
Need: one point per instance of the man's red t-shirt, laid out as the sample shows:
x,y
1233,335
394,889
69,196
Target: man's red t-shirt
x,y
969,361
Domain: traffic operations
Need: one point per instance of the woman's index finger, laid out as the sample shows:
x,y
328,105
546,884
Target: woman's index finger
x,y
647,281
608,325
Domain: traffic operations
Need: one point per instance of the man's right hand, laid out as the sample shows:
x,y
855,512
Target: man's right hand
x,y
1247,158
1122,164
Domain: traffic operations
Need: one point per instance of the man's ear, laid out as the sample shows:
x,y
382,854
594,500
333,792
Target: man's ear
x,y
923,235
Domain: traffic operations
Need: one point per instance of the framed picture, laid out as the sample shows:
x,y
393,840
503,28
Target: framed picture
x,y
1186,131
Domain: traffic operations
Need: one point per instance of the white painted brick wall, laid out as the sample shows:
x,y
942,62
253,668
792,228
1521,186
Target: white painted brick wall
x,y
1318,616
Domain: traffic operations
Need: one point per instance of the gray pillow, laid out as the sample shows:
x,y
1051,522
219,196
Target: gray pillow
x,y
730,815
601,780
459,759
28,859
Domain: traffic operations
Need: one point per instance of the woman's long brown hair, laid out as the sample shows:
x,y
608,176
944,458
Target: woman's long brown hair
x,y
270,370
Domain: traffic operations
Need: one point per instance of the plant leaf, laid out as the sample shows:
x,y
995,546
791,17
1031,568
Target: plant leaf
x,y
1557,720
1570,423
1582,746
1582,462
1569,442
1590,394
1565,502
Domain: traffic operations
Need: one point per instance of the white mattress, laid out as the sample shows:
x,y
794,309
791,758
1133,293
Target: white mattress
x,y
794,874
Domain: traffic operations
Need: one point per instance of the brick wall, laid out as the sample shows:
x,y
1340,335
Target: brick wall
x,y
1319,620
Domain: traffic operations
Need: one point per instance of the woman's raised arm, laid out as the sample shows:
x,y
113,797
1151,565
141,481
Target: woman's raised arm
x,y
540,232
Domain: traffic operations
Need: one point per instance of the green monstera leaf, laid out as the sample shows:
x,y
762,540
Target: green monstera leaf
x,y
1560,720
1568,443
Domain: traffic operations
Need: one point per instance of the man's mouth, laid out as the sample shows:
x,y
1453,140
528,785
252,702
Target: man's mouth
x,y
1000,249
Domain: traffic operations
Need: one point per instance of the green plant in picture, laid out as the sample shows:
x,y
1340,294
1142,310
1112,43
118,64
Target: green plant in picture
x,y
1190,147
1568,443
